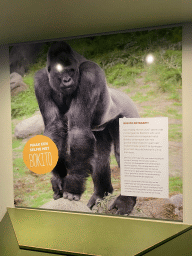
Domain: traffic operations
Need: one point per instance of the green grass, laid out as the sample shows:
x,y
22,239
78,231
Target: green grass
x,y
166,72
179,104
121,74
25,104
89,190
127,90
146,86
150,111
175,96
16,143
144,97
19,167
43,197
175,185
113,161
30,190
175,132
139,97
173,113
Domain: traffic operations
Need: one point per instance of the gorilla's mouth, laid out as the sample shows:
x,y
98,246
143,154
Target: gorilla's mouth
x,y
66,86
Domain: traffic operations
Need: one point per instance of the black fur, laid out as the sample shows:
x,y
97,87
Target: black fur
x,y
81,115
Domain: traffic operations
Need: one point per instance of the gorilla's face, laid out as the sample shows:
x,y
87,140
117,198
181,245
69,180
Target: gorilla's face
x,y
63,78
62,68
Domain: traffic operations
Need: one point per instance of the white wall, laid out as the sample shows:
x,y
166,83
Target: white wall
x,y
6,176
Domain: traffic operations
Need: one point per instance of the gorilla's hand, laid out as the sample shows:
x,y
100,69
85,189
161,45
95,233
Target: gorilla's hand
x,y
73,187
123,204
71,197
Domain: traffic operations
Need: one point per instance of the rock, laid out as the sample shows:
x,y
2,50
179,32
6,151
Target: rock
x,y
66,205
16,84
31,126
177,200
21,56
153,208
158,208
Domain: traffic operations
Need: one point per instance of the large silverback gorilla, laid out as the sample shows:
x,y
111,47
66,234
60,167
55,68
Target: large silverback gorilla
x,y
81,115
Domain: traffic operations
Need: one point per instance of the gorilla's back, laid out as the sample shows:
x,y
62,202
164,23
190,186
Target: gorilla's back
x,y
123,104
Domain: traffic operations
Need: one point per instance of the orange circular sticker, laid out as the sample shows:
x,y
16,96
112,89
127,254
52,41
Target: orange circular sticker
x,y
40,154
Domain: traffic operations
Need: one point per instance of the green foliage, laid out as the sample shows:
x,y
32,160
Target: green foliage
x,y
121,75
130,49
122,57
167,70
25,103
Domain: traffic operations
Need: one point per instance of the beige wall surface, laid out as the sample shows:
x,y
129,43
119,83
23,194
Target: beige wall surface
x,y
6,176
187,121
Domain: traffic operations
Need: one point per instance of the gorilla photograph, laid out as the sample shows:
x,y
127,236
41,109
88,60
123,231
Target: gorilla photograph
x,y
74,91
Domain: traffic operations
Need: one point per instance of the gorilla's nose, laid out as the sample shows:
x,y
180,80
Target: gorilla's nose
x,y
67,81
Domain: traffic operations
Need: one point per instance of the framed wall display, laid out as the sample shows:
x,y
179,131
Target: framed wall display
x,y
67,97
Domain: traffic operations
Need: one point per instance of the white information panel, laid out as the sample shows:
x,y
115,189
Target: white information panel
x,y
144,157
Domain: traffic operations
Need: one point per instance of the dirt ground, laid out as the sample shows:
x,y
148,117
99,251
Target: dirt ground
x,y
157,208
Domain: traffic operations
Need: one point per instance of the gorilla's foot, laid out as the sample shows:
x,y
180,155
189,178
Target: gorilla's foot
x,y
56,182
57,195
93,200
123,204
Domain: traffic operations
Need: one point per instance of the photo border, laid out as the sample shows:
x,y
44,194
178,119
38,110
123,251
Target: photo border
x,y
95,35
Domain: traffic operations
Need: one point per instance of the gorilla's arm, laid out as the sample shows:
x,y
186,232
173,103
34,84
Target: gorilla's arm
x,y
117,104
80,115
55,124
55,127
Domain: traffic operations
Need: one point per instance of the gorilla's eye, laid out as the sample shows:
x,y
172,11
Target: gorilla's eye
x,y
71,71
49,69
59,67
